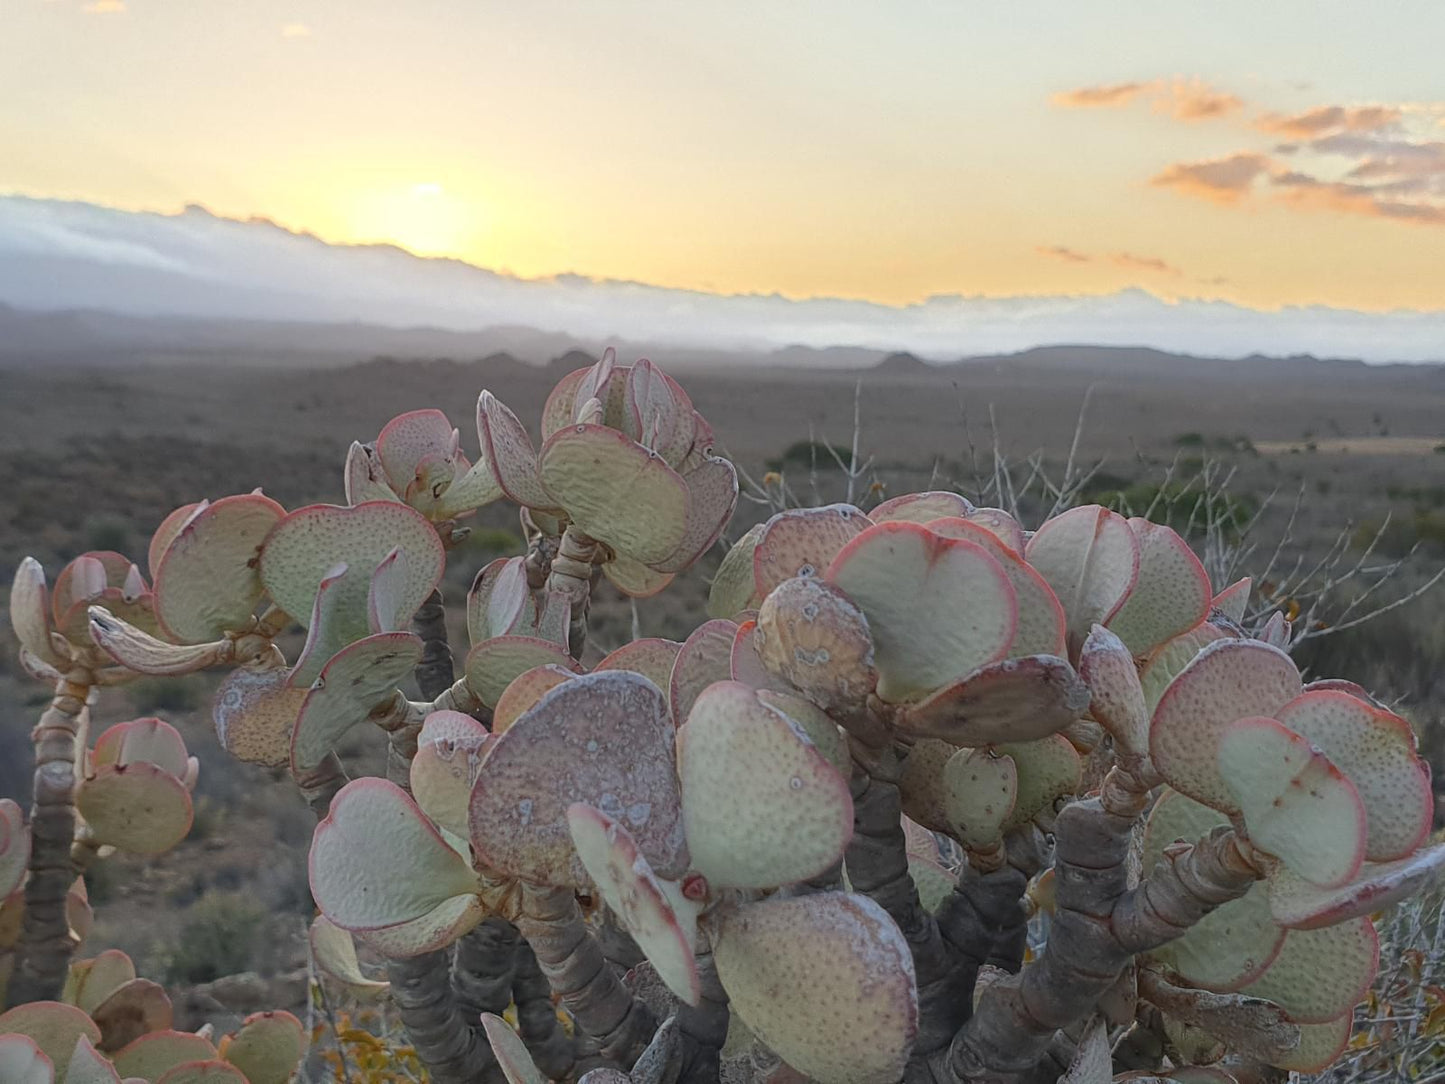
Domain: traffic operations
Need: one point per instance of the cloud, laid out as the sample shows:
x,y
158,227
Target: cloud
x,y
1303,190
1106,96
1330,118
1144,263
1183,99
1059,252
70,255
1196,100
1222,180
295,30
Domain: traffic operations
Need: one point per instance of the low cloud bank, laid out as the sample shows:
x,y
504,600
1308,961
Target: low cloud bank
x,y
67,255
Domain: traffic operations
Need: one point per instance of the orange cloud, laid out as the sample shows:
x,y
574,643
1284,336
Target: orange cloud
x,y
1196,100
1329,118
1301,190
1144,263
1221,180
1059,252
1106,96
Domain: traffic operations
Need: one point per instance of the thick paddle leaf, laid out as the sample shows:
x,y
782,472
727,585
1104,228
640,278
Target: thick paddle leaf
x,y
436,929
30,613
1001,525
660,920
55,1029
1048,769
23,1062
803,542
1376,750
812,636
652,657
1319,1046
734,588
980,790
376,861
761,806
921,507
705,657
208,582
500,601
601,739
335,954
712,495
512,1054
506,446
1012,700
1300,904
1233,600
937,608
524,691
1164,663
356,682
14,846
494,664
616,491
1171,595
138,808
268,1048
1295,803
859,1021
149,741
304,547
151,1056
1319,975
1090,557
1116,699
449,753
1228,680
255,712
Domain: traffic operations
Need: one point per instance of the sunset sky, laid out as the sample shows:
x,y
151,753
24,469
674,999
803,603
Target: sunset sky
x,y
1266,153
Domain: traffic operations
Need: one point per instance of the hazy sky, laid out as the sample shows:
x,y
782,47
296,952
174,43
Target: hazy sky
x,y
1265,152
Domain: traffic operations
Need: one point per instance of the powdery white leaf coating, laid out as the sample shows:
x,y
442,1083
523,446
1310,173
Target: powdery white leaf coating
x,y
29,611
813,637
1227,680
512,1055
560,409
664,933
705,657
212,1071
921,787
436,929
979,794
148,740
1040,628
1047,769
500,602
55,1029
449,756
921,507
1093,1061
733,587
87,1066
268,1047
494,664
1319,1045
1011,700
1165,662
761,806
827,737
1295,803
712,496
1171,594
22,1062
616,491
937,608
1233,600
652,656
255,712
305,546
506,446
353,684
1090,557
1320,974
14,846
364,478
1376,750
633,578
1003,526
859,1020
525,690
151,1056
208,582
602,739
803,542
1116,698
1300,904
335,954
376,861
138,808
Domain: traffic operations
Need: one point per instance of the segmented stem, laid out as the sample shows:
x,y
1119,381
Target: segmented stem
x,y
570,577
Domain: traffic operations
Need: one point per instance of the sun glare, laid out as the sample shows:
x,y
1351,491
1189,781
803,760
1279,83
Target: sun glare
x,y
423,218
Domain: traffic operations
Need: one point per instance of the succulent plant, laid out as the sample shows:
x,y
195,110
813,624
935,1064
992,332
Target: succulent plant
x,y
878,819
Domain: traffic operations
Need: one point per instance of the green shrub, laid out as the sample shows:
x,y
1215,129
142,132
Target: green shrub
x,y
218,938
811,455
